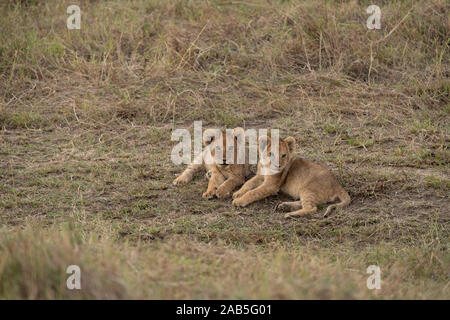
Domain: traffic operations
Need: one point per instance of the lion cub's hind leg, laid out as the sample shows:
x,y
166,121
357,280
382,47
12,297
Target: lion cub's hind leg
x,y
302,212
308,204
290,205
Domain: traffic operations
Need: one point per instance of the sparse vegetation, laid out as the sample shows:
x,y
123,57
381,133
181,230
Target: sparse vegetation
x,y
86,118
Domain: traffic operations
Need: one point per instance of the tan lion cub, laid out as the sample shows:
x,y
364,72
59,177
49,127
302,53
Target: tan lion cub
x,y
299,178
223,178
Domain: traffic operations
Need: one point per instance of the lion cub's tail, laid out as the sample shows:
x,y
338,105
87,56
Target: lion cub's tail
x,y
345,201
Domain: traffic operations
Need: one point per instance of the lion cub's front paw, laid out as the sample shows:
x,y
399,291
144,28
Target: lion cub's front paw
x,y
240,202
238,194
222,193
180,180
208,194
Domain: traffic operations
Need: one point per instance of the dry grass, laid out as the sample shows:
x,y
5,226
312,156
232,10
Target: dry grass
x,y
35,262
86,117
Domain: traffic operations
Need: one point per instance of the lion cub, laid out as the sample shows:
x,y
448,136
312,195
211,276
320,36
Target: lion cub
x,y
223,178
299,178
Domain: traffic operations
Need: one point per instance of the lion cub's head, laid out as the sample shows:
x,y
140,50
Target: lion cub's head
x,y
275,160
216,141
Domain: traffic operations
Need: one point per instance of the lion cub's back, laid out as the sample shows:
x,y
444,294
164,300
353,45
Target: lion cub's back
x,y
306,176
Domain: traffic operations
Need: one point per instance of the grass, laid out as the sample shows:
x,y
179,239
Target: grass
x,y
86,118
37,257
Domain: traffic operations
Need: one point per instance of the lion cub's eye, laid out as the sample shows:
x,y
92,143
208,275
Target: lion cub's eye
x,y
283,156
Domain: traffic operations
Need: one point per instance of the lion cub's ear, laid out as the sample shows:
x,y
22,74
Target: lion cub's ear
x,y
209,135
291,143
263,141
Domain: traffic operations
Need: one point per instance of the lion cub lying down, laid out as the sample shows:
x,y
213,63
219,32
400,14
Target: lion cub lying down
x,y
299,178
223,178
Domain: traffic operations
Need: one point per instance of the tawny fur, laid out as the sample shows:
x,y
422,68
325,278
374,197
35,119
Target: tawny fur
x,y
223,179
310,184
